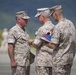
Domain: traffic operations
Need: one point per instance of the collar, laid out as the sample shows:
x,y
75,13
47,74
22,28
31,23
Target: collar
x,y
47,23
62,19
21,29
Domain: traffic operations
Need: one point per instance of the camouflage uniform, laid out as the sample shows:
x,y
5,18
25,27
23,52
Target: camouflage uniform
x,y
43,57
19,38
64,36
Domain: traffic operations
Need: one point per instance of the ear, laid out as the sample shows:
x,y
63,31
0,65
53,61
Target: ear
x,y
18,18
55,14
43,17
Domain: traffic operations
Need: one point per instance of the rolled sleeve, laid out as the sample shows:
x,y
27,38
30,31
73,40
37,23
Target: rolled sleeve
x,y
55,41
37,42
11,38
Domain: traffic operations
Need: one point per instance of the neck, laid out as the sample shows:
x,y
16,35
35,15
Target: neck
x,y
60,17
48,19
20,25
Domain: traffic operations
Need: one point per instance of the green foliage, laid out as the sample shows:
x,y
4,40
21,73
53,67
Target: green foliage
x,y
32,36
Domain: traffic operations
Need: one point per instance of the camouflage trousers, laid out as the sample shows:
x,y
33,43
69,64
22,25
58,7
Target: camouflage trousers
x,y
21,70
42,70
62,69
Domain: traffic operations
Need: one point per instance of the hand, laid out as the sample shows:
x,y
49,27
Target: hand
x,y
44,42
30,41
13,64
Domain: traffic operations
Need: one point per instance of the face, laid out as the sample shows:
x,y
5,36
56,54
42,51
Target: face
x,y
54,15
41,18
22,22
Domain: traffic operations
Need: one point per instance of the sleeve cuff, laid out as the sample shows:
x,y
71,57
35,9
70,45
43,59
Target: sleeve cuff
x,y
55,41
11,41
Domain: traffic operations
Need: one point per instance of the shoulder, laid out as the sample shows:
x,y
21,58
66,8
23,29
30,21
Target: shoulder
x,y
41,28
49,25
13,29
68,24
38,31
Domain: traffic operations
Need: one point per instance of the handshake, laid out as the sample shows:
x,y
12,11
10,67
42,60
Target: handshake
x,y
46,38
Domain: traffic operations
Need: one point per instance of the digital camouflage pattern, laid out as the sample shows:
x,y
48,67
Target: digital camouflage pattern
x,y
64,36
41,70
21,70
19,38
43,54
43,59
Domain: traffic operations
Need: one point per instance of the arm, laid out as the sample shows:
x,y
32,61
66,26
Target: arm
x,y
37,43
51,45
55,38
11,55
31,42
34,45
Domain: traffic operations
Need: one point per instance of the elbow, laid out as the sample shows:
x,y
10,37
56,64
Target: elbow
x,y
54,46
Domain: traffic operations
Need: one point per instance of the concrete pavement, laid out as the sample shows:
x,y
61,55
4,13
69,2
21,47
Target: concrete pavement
x,y
6,70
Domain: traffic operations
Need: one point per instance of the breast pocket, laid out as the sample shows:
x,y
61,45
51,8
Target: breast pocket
x,y
22,38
